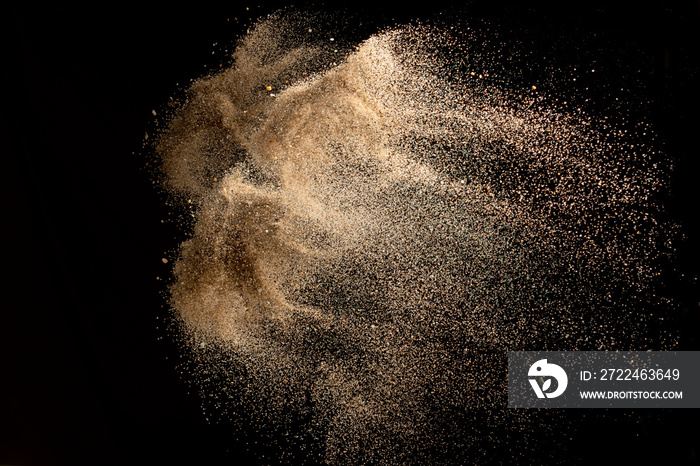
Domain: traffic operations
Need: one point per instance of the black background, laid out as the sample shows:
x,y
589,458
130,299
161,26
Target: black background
x,y
84,376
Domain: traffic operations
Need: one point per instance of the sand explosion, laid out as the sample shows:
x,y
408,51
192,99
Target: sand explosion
x,y
373,230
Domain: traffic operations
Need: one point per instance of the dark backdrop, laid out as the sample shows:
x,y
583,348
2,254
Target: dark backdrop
x,y
85,377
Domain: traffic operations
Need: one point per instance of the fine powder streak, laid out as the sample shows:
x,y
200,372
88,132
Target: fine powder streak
x,y
372,235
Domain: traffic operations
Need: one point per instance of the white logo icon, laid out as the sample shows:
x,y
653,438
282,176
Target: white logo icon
x,y
542,373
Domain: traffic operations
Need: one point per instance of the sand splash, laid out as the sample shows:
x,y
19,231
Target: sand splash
x,y
373,232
